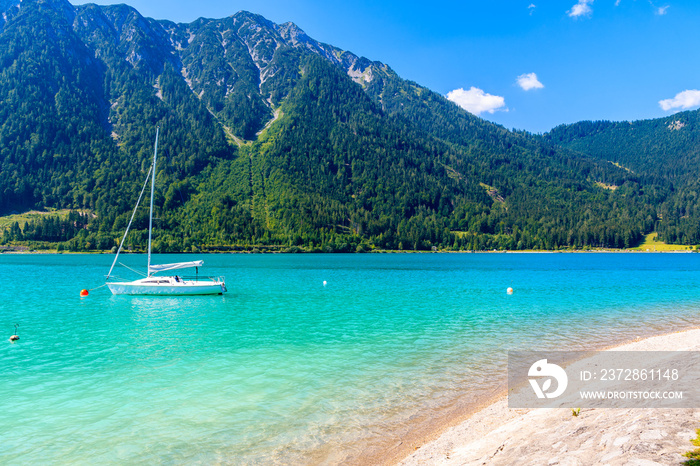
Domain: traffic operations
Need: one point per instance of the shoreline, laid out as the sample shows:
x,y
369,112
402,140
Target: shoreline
x,y
496,434
376,251
427,425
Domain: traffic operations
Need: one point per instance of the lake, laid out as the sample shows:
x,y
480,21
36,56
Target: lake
x,y
308,358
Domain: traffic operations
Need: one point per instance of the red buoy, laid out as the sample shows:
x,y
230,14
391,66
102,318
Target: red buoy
x,y
83,293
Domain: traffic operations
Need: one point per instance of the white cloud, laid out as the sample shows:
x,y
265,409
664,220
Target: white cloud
x,y
477,101
660,11
683,100
529,81
582,8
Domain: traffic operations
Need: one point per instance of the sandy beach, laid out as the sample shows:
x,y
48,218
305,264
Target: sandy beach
x,y
498,435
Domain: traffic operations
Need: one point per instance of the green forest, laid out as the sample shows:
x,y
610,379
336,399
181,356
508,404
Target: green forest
x,y
268,144
664,154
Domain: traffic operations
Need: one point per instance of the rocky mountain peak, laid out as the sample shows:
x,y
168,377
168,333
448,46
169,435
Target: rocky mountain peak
x,y
293,34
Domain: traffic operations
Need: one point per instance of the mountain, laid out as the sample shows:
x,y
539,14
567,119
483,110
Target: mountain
x,y
663,153
272,139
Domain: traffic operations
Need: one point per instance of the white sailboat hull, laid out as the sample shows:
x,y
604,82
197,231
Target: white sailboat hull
x,y
153,285
168,286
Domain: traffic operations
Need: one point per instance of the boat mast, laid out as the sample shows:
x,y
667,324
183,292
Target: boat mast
x,y
133,214
150,219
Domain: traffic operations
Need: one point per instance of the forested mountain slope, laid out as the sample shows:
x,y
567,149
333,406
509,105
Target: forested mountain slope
x,y
269,137
663,153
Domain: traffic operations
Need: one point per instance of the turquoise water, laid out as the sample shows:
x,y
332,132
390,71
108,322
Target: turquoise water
x,y
284,369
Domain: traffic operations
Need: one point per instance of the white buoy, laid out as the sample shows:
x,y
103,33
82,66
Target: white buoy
x,y
509,290
325,283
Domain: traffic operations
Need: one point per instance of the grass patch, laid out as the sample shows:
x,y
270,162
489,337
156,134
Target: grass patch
x,y
695,454
6,221
623,167
611,187
651,243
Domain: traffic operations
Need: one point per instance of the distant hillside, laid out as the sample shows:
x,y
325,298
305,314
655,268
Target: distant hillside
x,y
664,149
663,153
270,138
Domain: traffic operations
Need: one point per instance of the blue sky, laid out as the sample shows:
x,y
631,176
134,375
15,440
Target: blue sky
x,y
524,64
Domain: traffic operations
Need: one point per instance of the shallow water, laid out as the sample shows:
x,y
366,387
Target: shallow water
x,y
285,369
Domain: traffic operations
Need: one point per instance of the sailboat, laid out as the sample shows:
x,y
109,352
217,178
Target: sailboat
x,y
163,285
